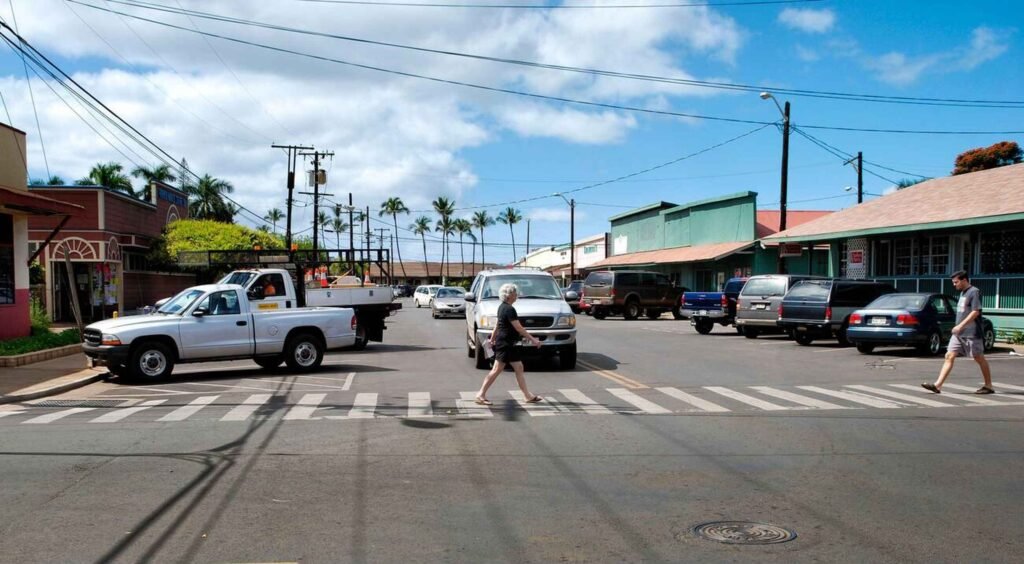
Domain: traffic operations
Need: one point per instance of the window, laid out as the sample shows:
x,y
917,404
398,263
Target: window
x,y
844,249
6,259
1002,252
627,279
811,290
883,258
221,303
663,280
935,255
766,286
136,262
903,256
589,249
940,305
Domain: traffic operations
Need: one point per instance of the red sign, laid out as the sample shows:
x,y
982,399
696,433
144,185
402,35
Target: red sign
x,y
790,249
856,257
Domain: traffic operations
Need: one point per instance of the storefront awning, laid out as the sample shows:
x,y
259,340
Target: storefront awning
x,y
675,255
24,202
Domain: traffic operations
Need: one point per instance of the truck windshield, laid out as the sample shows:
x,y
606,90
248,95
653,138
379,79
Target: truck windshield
x,y
181,301
532,287
764,287
241,278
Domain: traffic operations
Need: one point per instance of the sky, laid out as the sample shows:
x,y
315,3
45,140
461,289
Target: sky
x,y
427,120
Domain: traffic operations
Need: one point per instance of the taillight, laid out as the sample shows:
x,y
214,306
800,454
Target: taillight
x,y
855,319
828,313
906,319
780,311
613,292
353,323
725,302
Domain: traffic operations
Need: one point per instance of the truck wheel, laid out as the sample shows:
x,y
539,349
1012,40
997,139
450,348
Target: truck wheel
x,y
653,313
303,352
750,333
469,348
864,348
841,336
632,310
567,357
703,325
151,361
677,312
268,362
361,339
482,363
803,339
739,329
599,313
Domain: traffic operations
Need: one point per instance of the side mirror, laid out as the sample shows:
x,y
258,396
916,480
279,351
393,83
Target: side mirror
x,y
570,296
199,312
160,303
470,297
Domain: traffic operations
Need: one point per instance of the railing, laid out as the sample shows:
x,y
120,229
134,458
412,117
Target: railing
x,y
996,292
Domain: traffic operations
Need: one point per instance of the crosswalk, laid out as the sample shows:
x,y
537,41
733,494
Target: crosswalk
x,y
568,401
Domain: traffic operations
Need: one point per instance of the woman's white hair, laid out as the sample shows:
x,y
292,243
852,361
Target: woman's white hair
x,y
506,290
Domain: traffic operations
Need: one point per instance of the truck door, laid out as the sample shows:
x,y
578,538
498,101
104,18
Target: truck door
x,y
222,329
269,292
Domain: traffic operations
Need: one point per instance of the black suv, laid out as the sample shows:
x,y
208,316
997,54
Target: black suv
x,y
820,309
574,286
630,293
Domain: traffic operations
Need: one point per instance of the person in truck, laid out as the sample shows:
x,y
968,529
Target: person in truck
x,y
268,287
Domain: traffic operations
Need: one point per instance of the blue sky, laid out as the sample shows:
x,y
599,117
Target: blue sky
x,y
220,105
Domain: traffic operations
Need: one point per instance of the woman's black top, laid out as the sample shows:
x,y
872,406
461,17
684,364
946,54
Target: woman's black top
x,y
506,334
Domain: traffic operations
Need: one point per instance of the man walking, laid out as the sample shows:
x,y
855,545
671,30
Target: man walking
x,y
967,335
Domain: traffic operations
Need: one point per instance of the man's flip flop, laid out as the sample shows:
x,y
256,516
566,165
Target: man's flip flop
x,y
984,390
535,399
482,401
931,388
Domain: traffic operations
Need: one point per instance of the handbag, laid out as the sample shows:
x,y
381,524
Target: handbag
x,y
488,349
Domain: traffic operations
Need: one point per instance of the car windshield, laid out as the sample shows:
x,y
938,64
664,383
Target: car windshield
x,y
181,301
899,301
450,293
530,286
432,290
574,287
814,290
765,287
240,278
599,279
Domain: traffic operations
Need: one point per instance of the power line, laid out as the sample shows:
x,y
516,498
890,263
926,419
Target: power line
x,y
559,6
842,155
1012,104
32,97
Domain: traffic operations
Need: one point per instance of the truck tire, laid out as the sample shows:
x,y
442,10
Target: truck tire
x,y
803,339
739,329
703,325
567,357
653,313
750,332
677,312
150,361
469,348
268,362
631,310
481,362
361,339
303,352
599,313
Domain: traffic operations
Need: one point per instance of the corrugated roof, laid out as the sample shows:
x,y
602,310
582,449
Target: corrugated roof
x,y
673,255
768,220
993,195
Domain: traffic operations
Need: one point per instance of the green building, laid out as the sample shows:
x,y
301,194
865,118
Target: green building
x,y
702,244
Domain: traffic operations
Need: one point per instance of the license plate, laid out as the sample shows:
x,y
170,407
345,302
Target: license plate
x,y
703,312
878,321
801,328
760,306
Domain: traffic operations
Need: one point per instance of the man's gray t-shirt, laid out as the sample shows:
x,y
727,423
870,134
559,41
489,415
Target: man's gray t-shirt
x,y
970,300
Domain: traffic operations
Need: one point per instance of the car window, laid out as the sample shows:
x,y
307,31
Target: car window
x,y
663,280
450,293
940,305
599,279
475,287
769,286
181,301
240,278
899,301
733,286
221,303
811,290
624,279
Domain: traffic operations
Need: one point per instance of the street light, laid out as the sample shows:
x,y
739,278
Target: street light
x,y
572,235
860,192
785,168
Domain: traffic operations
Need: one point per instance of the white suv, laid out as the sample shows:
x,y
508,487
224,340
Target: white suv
x,y
541,307
425,294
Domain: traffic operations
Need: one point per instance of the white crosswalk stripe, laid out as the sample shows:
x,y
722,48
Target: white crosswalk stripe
x,y
419,405
970,390
539,409
642,404
900,396
304,410
1003,386
749,400
589,406
855,398
958,397
119,414
11,412
699,403
468,407
51,417
364,406
245,409
797,398
186,411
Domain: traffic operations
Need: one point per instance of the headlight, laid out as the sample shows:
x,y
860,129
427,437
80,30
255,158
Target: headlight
x,y
110,340
566,321
488,321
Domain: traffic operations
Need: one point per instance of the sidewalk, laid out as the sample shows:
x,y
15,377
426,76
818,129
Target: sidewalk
x,y
65,373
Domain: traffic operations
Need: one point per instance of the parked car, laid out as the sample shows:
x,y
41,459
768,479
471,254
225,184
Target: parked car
x,y
449,302
705,309
541,308
217,322
921,320
821,309
757,305
402,290
425,294
630,293
576,286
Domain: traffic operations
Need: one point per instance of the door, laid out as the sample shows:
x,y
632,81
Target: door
x,y
222,330
270,292
946,314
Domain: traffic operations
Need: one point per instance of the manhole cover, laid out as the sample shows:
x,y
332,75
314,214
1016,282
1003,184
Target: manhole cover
x,y
743,532
79,403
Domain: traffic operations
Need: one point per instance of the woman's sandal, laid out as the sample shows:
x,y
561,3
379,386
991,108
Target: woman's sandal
x,y
483,401
535,399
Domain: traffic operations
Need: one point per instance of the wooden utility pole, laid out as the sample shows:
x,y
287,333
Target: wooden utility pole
x,y
316,191
860,175
292,153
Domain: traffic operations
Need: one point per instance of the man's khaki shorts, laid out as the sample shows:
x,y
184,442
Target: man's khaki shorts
x,y
966,346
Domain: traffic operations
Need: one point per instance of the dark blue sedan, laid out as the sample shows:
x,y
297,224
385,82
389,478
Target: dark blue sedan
x,y
923,321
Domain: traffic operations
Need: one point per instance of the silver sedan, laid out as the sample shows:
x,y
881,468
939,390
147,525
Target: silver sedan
x,y
449,302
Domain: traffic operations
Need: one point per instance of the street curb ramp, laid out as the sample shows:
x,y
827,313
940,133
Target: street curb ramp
x,y
72,381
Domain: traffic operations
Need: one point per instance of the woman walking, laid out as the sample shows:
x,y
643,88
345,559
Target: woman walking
x,y
506,332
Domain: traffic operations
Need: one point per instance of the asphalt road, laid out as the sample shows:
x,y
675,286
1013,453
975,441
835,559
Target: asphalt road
x,y
658,429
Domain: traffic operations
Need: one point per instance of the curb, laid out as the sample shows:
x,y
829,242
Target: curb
x,y
85,377
39,356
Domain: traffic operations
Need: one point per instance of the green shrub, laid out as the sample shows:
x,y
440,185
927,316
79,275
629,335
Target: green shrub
x,y
1017,338
40,319
41,339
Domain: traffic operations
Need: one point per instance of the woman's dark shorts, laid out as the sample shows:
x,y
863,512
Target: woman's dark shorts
x,y
507,353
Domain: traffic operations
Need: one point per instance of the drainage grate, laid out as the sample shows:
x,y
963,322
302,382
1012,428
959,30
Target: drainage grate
x,y
743,532
79,403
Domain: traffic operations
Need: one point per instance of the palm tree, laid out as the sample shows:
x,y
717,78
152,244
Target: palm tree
x,y
510,217
462,227
480,221
159,173
273,216
52,181
472,263
393,207
446,227
209,200
322,220
339,226
421,227
110,175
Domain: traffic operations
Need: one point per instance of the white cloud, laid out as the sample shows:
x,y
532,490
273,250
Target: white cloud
x,y
806,20
558,214
807,54
986,44
897,68
901,69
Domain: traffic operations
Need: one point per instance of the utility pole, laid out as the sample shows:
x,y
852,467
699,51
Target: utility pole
x,y
860,176
785,169
572,240
316,191
527,240
292,153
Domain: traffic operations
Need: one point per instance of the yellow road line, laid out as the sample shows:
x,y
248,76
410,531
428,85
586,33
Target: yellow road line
x,y
617,378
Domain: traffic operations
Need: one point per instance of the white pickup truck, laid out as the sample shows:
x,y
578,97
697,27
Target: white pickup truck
x,y
217,322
